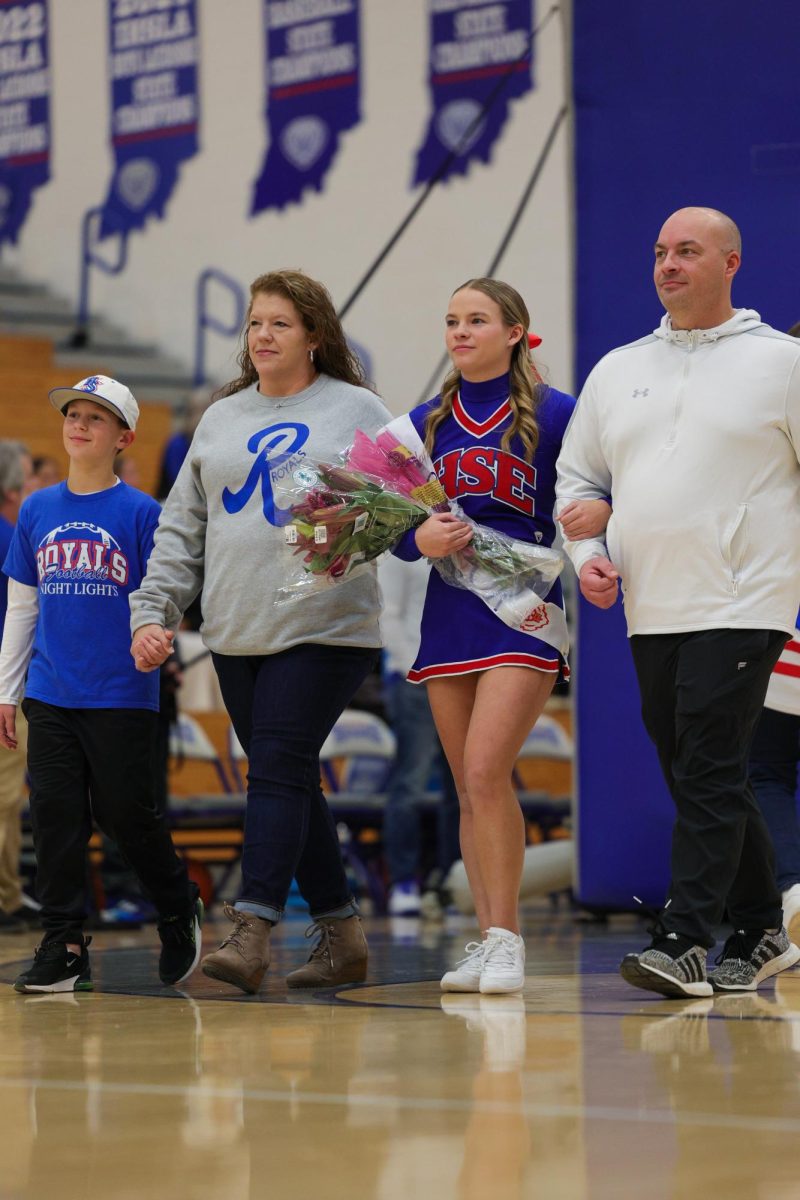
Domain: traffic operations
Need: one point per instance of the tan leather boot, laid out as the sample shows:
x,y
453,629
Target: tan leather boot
x,y
340,955
243,957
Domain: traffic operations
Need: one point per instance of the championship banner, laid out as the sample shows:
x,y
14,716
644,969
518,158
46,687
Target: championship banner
x,y
153,54
313,94
479,52
24,110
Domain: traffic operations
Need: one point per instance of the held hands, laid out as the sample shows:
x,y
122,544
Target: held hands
x,y
584,519
599,582
151,646
8,726
442,534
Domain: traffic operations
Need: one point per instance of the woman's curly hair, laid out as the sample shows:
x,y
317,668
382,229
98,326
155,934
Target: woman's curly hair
x,y
332,355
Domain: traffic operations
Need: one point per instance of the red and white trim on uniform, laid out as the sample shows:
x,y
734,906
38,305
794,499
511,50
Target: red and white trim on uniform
x,y
789,661
439,670
480,428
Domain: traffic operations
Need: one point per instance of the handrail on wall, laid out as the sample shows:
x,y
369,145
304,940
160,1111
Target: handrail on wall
x,y
90,258
206,320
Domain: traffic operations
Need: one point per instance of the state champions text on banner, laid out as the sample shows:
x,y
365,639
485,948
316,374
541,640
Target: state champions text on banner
x,y
153,59
472,48
313,94
24,110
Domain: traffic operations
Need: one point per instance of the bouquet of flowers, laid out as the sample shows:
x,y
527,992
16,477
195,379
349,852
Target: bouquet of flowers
x,y
353,513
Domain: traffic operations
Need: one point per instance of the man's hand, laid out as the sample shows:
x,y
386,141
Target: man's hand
x,y
151,646
599,582
584,519
8,726
442,534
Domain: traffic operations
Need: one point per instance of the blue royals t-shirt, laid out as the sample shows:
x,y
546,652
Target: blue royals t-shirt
x,y
86,554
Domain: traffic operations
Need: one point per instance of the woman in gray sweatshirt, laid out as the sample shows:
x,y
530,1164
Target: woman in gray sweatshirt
x,y
286,672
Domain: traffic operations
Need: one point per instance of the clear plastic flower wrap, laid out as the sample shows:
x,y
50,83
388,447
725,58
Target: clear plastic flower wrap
x,y
345,516
510,576
342,522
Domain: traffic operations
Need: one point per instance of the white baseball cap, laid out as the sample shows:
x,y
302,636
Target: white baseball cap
x,y
103,390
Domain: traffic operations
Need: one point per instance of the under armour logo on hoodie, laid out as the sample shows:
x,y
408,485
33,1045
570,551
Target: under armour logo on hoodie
x,y
640,392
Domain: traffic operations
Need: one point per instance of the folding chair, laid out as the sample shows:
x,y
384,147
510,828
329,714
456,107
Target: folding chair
x,y
358,753
188,740
547,739
360,745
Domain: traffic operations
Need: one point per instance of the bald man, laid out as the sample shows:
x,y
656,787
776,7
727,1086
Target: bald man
x,y
694,431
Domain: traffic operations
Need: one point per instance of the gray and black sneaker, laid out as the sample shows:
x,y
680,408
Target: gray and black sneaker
x,y
751,956
181,944
56,968
673,965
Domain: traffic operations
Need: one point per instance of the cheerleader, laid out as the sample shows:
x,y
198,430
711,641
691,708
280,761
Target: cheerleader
x,y
494,433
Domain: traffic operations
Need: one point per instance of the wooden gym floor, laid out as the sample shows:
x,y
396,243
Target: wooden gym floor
x,y
580,1088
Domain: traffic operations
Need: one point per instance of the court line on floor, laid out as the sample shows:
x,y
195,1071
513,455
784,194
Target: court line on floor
x,y
748,1122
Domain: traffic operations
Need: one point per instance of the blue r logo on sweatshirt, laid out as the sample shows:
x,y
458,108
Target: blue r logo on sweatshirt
x,y
282,441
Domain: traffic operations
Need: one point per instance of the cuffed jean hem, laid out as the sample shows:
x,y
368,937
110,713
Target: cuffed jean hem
x,y
265,911
344,910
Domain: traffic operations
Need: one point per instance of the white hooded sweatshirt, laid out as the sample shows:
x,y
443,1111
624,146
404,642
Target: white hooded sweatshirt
x,y
695,435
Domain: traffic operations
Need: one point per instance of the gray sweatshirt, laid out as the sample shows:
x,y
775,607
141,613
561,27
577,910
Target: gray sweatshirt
x,y
222,527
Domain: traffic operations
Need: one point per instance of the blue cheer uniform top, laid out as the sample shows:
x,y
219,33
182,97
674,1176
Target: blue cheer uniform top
x,y
500,489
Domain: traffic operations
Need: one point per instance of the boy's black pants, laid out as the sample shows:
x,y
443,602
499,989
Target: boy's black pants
x,y
97,763
702,693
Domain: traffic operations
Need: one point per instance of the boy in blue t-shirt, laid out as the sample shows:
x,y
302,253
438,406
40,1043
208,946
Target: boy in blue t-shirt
x,y
79,549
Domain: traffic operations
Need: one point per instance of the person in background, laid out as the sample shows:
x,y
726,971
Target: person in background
x,y
403,587
16,482
695,431
47,471
286,672
494,434
774,759
177,445
126,468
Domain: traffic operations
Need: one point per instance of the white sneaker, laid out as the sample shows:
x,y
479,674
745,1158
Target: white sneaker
x,y
503,962
404,900
466,975
791,912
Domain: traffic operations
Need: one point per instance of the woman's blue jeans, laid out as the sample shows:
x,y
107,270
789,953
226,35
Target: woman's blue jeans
x,y
283,706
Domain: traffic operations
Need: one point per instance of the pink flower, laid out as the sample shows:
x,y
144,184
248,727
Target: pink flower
x,y
396,468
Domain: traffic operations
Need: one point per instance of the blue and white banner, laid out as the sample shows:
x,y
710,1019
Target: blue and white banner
x,y
313,94
24,110
153,53
478,51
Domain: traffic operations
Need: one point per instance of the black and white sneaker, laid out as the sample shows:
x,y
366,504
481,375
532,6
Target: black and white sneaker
x,y
181,944
673,965
55,968
751,956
